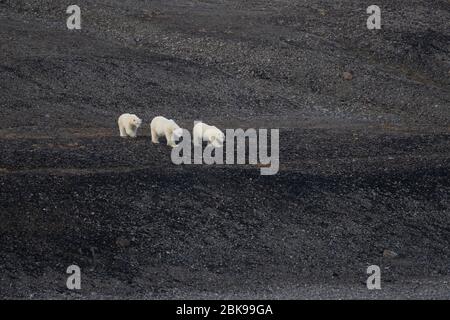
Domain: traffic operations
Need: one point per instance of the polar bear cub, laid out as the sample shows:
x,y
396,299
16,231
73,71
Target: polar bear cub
x,y
161,126
211,134
128,125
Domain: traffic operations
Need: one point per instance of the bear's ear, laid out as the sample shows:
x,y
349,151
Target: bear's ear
x,y
212,138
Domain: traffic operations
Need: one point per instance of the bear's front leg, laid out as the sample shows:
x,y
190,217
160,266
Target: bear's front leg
x,y
131,132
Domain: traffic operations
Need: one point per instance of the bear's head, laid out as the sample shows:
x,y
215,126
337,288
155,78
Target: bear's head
x,y
217,139
135,121
177,134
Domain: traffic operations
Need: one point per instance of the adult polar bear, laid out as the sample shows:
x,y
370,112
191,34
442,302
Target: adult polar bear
x,y
128,125
161,126
211,134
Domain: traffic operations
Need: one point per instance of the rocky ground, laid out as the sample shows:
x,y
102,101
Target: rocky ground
x,y
364,119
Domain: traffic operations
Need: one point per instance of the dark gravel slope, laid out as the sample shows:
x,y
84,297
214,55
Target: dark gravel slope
x,y
224,58
364,163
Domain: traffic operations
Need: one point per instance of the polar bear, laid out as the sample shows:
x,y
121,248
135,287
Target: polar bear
x,y
161,126
204,132
128,125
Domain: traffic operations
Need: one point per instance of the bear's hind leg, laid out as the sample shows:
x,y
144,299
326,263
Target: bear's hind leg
x,y
198,140
123,133
154,136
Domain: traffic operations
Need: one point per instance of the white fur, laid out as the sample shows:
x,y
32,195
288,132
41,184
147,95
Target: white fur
x,y
161,126
128,125
211,134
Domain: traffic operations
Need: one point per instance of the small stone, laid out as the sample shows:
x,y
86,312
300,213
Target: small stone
x,y
347,75
122,242
389,254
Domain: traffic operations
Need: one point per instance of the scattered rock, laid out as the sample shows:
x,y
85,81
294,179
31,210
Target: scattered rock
x,y
347,75
122,242
148,14
322,12
389,254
